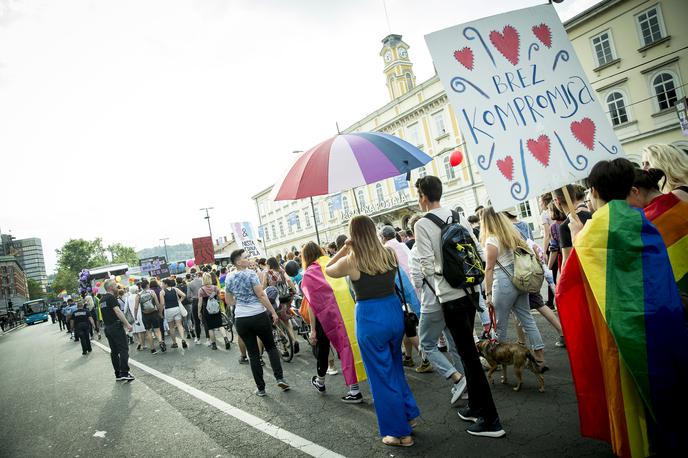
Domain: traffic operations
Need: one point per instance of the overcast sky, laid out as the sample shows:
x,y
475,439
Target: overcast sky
x,y
120,119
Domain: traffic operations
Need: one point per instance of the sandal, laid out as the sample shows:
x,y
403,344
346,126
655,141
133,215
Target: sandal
x,y
413,423
406,441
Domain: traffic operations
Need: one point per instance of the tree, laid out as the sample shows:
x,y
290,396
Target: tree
x,y
122,254
79,254
35,289
65,280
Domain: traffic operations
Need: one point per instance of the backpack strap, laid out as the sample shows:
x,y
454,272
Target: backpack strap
x,y
435,219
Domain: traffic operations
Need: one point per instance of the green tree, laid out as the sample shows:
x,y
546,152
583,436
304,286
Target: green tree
x,y
122,254
65,280
35,290
79,254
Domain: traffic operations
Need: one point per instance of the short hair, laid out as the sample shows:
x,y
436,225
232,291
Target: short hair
x,y
473,219
613,179
431,187
577,192
108,283
188,276
262,261
236,254
154,283
223,270
555,213
169,282
273,263
332,245
341,240
193,270
409,232
388,232
412,222
144,283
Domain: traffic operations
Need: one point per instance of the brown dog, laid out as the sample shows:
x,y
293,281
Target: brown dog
x,y
506,354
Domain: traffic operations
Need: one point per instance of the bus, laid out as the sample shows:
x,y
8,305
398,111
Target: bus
x,y
35,311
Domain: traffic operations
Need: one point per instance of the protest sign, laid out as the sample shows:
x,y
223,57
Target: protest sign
x,y
245,238
400,183
155,266
204,251
525,107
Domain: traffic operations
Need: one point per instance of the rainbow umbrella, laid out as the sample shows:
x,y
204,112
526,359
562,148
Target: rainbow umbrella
x,y
346,161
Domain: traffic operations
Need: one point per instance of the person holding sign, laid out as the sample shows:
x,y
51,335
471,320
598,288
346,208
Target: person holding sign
x,y
624,325
577,194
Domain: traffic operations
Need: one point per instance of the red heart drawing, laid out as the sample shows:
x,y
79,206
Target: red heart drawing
x,y
465,57
543,34
506,43
584,131
540,149
506,166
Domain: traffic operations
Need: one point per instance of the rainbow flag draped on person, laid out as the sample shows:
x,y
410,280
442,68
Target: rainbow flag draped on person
x,y
333,305
625,334
669,214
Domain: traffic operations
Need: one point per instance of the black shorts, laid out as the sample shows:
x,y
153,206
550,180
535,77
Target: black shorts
x,y
151,320
536,301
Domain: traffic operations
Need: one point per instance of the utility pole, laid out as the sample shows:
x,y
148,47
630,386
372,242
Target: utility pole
x,y
164,242
207,217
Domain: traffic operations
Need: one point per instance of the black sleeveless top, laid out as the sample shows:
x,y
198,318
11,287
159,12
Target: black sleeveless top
x,y
171,299
374,286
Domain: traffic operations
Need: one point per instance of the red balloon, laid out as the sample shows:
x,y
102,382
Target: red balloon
x,y
456,158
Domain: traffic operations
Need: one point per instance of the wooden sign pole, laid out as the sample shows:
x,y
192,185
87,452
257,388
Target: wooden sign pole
x,y
569,203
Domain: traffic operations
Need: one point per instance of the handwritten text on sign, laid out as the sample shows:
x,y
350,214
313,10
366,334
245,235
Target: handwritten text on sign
x,y
245,238
526,108
204,252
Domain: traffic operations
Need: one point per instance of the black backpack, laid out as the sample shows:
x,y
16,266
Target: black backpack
x,y
461,264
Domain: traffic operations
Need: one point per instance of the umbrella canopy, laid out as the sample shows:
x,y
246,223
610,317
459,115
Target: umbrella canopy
x,y
346,161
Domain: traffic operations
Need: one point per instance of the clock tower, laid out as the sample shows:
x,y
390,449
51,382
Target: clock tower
x,y
398,68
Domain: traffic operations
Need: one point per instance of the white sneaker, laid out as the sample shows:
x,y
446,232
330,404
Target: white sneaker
x,y
208,343
332,371
458,389
196,341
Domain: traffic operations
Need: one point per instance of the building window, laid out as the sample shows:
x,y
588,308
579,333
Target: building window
x,y
318,217
413,134
298,222
664,88
307,218
361,198
274,232
422,172
604,50
617,108
651,26
438,124
409,81
330,209
281,228
379,192
345,204
524,210
448,169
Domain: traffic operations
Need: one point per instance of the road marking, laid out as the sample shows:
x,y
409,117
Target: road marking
x,y
289,438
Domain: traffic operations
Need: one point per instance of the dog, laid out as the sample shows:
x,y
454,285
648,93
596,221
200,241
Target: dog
x,y
506,354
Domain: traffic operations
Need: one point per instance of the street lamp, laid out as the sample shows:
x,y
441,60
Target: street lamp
x,y
315,220
164,242
207,216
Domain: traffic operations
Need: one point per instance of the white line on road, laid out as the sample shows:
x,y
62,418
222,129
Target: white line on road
x,y
278,433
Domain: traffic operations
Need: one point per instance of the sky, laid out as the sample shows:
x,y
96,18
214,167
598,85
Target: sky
x,y
122,119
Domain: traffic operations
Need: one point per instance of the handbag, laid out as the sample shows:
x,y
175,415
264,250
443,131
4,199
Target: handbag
x,y
183,311
129,316
410,317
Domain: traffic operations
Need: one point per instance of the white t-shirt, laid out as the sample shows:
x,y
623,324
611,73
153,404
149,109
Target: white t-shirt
x,y
504,256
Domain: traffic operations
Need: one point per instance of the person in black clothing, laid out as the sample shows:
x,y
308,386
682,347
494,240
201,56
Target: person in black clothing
x,y
115,324
81,322
61,318
577,194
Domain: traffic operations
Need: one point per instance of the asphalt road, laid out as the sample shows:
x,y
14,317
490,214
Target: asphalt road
x,y
56,402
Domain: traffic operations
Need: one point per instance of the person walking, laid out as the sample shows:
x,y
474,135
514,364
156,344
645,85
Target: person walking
x,y
187,321
501,238
138,327
193,285
52,310
171,298
210,294
146,303
277,277
81,322
245,293
61,317
458,306
115,326
379,327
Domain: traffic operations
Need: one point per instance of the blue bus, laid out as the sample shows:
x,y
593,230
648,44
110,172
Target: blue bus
x,y
35,311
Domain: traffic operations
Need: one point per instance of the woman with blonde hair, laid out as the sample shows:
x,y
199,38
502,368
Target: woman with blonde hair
x,y
674,163
379,327
500,238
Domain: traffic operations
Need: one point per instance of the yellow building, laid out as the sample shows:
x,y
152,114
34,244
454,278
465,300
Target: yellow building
x,y
634,53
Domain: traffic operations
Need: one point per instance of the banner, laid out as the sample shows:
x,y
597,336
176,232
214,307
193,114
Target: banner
x,y
400,183
204,251
523,102
682,111
244,237
155,266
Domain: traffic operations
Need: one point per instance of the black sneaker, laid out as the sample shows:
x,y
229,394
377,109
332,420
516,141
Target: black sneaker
x,y
227,344
296,347
243,360
163,347
84,353
283,384
128,377
352,398
317,385
262,363
213,346
485,429
465,413
154,351
184,345
174,345
139,347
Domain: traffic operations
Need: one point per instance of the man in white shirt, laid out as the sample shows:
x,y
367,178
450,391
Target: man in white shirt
x,y
458,308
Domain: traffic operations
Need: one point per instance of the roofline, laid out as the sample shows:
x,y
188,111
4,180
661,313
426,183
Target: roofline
x,y
594,10
268,189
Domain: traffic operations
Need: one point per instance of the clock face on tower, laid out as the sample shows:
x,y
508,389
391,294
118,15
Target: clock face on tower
x,y
403,53
388,56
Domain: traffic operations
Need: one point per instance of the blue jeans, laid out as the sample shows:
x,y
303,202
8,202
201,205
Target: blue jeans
x,y
431,326
507,299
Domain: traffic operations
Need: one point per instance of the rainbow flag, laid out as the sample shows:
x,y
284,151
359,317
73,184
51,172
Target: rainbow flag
x,y
625,334
669,214
333,305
